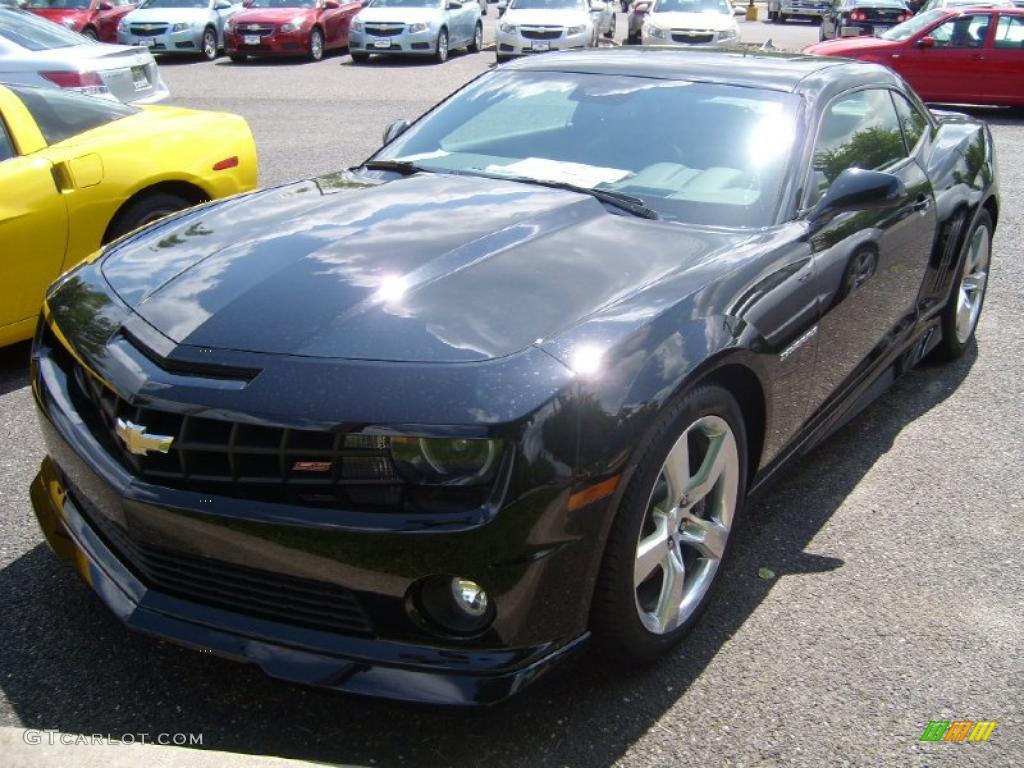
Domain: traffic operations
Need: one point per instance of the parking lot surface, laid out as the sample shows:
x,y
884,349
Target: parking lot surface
x,y
877,587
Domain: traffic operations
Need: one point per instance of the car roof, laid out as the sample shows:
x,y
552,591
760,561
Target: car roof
x,y
753,68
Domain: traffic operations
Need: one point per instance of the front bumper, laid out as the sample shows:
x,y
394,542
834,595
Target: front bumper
x,y
416,43
188,41
687,37
858,28
514,44
122,534
276,44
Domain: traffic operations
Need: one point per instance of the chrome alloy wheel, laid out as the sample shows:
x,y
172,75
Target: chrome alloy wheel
x,y
973,280
209,44
686,526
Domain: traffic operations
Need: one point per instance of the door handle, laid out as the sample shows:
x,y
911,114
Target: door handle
x,y
923,203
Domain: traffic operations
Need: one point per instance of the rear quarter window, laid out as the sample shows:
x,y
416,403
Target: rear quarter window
x,y
61,115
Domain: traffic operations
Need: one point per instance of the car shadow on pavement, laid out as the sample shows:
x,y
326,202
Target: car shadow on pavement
x,y
67,664
14,367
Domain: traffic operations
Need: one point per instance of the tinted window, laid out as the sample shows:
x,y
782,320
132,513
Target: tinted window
x,y
61,115
913,121
35,33
6,146
1010,32
79,4
967,31
857,131
709,153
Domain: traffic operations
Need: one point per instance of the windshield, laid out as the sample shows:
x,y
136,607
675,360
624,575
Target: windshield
x,y
692,6
175,4
283,4
543,5
35,33
61,114
694,152
58,4
910,28
403,4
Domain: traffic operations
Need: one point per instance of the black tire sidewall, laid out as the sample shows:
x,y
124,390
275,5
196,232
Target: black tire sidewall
x,y
312,57
950,347
129,218
212,56
616,625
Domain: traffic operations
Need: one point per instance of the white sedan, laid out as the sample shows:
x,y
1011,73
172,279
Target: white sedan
x,y
690,22
537,26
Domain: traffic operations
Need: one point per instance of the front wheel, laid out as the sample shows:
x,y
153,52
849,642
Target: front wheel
x,y
209,44
610,34
441,50
961,313
145,211
478,40
781,18
673,528
90,33
316,45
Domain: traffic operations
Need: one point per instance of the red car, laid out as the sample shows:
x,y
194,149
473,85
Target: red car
x,y
97,19
961,55
289,28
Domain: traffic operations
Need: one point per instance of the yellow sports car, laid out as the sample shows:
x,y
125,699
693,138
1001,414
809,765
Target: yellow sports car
x,y
78,171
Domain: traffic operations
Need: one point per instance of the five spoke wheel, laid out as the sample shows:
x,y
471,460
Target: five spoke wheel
x,y
972,283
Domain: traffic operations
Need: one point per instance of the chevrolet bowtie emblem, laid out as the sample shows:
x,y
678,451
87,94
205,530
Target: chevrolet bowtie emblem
x,y
138,442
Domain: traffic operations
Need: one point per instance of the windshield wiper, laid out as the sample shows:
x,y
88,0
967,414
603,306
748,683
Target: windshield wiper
x,y
620,200
404,167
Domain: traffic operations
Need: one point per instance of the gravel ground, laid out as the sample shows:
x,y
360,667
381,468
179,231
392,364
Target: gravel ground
x,y
896,549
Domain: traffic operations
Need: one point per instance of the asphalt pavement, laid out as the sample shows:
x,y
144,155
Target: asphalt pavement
x,y
877,587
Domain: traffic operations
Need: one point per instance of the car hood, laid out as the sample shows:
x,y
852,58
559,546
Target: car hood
x,y
272,15
680,20
428,268
849,46
531,17
399,15
168,15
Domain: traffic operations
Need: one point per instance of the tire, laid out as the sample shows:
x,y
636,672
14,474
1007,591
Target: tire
x,y
209,44
359,58
821,34
960,316
441,47
625,615
478,39
499,59
633,39
610,34
90,33
781,18
144,211
316,45
238,58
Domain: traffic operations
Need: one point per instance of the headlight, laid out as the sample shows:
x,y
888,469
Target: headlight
x,y
181,26
122,25
69,23
727,34
444,461
508,29
357,25
419,27
574,30
292,26
657,32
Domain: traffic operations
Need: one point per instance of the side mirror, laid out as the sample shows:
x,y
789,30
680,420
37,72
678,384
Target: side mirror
x,y
454,5
246,3
222,5
925,42
857,190
330,4
104,7
395,130
598,6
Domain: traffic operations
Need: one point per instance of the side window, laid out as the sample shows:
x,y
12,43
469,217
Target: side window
x,y
1010,32
6,145
967,31
913,122
860,130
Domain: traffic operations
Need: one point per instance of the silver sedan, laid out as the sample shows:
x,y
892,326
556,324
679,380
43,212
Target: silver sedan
x,y
179,26
34,51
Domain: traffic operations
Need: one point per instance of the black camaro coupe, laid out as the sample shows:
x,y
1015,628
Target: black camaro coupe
x,y
425,428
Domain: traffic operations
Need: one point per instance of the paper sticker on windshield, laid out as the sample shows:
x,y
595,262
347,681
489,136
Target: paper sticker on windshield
x,y
424,156
580,174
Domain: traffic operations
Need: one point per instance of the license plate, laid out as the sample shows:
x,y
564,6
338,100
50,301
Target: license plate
x,y
542,46
381,43
149,42
139,78
252,39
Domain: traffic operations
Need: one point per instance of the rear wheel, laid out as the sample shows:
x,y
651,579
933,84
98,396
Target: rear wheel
x,y
673,528
316,45
209,44
145,211
441,48
90,33
962,311
478,39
